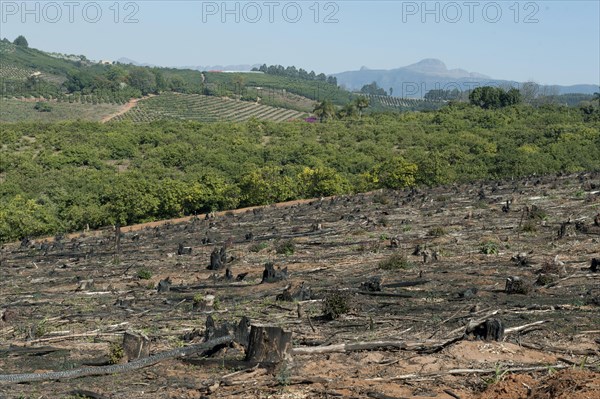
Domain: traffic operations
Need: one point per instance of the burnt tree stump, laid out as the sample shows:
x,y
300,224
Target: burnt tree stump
x,y
489,330
218,258
270,275
164,285
295,292
182,250
372,284
135,345
269,344
595,265
516,285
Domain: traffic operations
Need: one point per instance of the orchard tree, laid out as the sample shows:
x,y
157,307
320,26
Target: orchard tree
x,y
321,182
361,103
324,110
395,173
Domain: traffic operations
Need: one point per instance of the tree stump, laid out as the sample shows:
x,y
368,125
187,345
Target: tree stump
x,y
489,330
295,292
218,258
270,275
164,285
515,285
268,344
135,345
372,284
595,265
182,250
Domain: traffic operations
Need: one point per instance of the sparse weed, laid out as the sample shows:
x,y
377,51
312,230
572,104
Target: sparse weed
x,y
336,304
115,353
529,227
395,262
489,248
144,274
499,375
437,232
285,247
259,246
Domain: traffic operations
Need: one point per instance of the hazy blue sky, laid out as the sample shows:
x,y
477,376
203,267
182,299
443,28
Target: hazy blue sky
x,y
551,42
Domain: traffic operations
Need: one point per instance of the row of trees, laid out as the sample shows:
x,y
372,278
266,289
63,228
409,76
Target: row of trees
x,y
489,97
326,110
293,72
374,90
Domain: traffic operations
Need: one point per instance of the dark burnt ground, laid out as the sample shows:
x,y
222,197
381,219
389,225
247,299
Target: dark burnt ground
x,y
47,303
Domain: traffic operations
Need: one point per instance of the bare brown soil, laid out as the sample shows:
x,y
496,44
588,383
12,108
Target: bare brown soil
x,y
126,107
46,303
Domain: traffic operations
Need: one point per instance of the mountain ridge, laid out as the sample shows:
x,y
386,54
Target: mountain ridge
x,y
415,80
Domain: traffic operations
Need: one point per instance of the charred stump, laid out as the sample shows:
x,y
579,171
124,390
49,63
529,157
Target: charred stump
x,y
218,258
294,292
489,330
135,345
181,250
270,275
164,285
516,285
595,265
269,344
373,284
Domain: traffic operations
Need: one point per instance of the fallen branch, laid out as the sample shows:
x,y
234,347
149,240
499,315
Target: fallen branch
x,y
524,327
116,368
360,346
469,371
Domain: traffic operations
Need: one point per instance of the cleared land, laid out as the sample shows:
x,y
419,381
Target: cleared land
x,y
64,320
18,111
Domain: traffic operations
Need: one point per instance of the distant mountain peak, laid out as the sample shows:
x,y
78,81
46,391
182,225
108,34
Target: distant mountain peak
x,y
428,65
435,67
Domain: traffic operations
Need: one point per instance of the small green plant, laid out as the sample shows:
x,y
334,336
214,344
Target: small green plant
x,y
383,222
529,227
198,298
284,374
40,328
499,374
537,213
259,246
42,106
489,248
395,262
366,247
437,232
115,353
336,304
384,237
144,274
285,247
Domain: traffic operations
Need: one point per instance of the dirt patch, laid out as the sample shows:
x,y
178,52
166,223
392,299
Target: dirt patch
x,y
126,107
564,384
